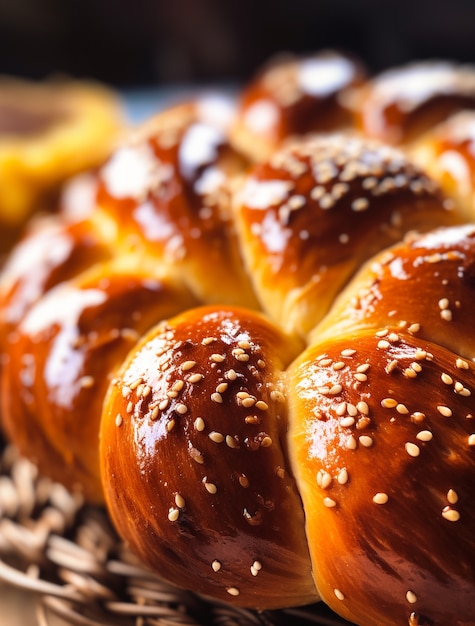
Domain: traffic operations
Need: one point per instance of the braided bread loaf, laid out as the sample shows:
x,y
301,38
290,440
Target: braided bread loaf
x,y
264,368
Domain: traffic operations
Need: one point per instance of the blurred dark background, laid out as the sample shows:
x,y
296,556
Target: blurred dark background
x,y
129,43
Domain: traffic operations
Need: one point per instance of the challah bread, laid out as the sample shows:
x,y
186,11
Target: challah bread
x,y
447,153
311,215
400,104
225,435
294,95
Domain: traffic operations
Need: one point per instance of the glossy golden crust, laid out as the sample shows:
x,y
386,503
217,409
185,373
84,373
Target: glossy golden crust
x,y
52,251
401,104
447,153
293,96
168,190
317,210
424,286
194,463
61,357
386,468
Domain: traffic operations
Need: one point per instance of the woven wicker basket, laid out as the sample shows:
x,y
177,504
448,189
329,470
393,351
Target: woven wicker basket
x,y
69,555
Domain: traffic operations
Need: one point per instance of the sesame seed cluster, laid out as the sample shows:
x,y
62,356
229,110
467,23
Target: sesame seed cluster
x,y
259,356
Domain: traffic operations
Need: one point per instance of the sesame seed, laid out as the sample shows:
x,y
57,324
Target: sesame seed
x,y
363,407
364,367
412,449
216,437
391,366
380,498
170,425
197,456
452,496
348,352
342,477
411,597
450,514
231,442
118,420
230,374
366,441
245,345
210,487
195,378
329,502
181,408
248,402
277,396
207,340
389,403
446,315
199,424
324,479
339,594
351,443
383,344
178,385
130,407
402,409
222,387
180,501
418,417
414,328
188,365
243,481
164,404
471,440
351,409
217,358
444,303
461,364
361,377
347,422
173,515
448,380
233,591
154,413
86,382
360,204
261,364
261,405
444,410
335,390
217,397
266,441
327,201
135,383
216,565
424,435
